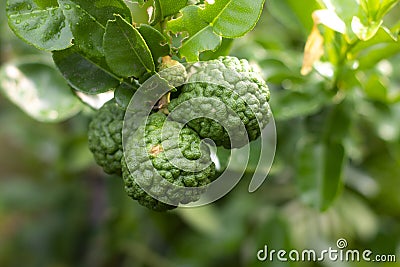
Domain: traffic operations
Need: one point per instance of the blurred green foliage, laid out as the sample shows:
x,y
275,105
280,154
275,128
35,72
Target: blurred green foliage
x,y
336,173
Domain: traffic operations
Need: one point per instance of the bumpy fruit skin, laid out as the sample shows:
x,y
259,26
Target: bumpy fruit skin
x,y
173,72
151,168
237,85
105,137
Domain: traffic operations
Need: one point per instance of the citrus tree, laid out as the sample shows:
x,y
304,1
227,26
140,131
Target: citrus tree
x,y
323,72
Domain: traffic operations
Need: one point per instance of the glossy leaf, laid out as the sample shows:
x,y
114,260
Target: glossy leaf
x,y
126,52
88,21
203,40
156,42
201,35
83,73
145,12
171,7
139,12
39,23
232,18
206,26
46,3
223,50
39,90
365,32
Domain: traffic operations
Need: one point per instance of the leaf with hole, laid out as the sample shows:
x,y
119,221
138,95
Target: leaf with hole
x,y
171,7
205,26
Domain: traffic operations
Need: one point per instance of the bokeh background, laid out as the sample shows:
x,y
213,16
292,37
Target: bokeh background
x,y
58,209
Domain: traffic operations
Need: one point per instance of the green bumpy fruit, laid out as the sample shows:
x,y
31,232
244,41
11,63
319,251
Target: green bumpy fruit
x,y
105,137
174,73
172,164
230,93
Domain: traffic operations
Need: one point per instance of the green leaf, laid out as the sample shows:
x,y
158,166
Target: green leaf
x,y
345,9
140,2
370,18
383,45
223,50
171,7
206,26
319,172
156,42
375,10
280,66
88,19
83,73
145,12
126,52
294,15
338,121
46,3
370,7
39,23
385,7
365,32
201,36
303,11
124,93
370,57
139,11
232,18
203,40
39,90
383,35
320,163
